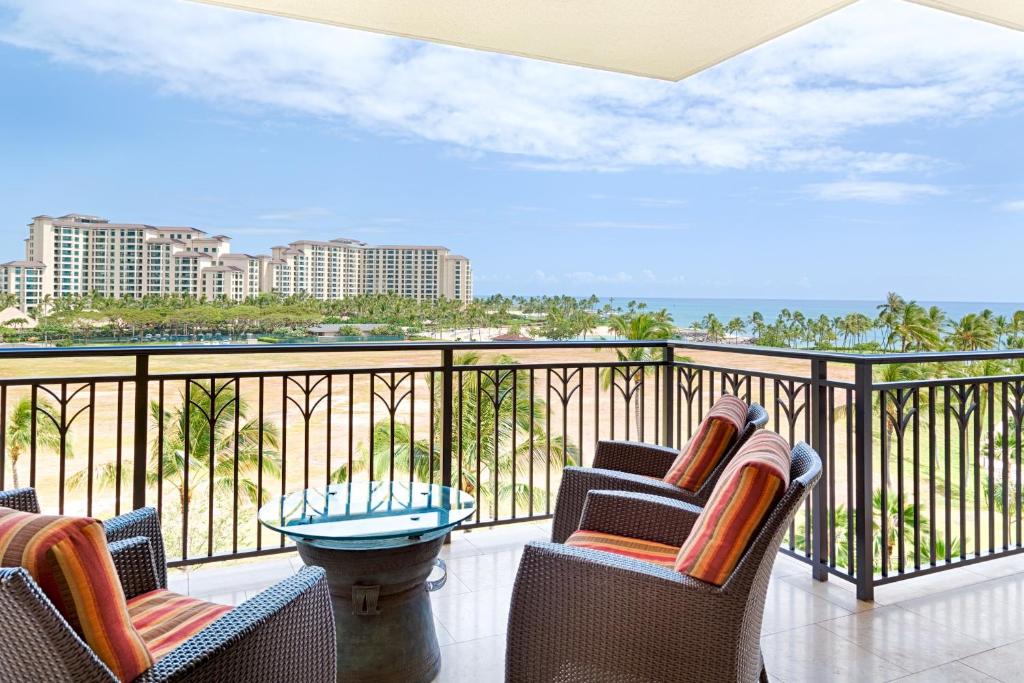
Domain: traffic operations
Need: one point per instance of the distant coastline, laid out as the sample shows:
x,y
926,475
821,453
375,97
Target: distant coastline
x,y
686,311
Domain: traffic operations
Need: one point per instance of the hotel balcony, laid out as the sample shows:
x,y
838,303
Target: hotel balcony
x,y
927,587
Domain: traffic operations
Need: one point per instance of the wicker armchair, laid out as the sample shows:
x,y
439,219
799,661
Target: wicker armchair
x,y
636,467
584,615
284,633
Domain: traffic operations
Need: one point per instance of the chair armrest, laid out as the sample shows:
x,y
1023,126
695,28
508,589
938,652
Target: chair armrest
x,y
141,522
37,643
286,633
23,500
634,457
580,615
133,559
639,515
577,482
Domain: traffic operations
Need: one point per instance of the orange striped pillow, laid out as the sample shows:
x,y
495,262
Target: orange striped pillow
x,y
69,559
637,548
741,501
715,434
165,620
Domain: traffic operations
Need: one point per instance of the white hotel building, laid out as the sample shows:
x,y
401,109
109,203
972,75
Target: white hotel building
x,y
77,254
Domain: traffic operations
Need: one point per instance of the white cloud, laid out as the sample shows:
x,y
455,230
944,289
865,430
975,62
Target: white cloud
x,y
1014,205
795,102
587,277
625,225
231,232
885,192
295,214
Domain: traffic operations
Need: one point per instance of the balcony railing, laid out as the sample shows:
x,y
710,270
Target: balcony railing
x,y
920,474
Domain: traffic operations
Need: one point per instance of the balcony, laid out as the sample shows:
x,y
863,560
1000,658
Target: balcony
x,y
918,586
949,627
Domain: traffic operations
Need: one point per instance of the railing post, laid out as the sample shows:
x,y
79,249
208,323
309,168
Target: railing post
x,y
447,401
865,566
668,396
819,440
447,409
141,429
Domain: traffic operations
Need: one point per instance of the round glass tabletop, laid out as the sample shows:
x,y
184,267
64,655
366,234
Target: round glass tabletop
x,y
368,514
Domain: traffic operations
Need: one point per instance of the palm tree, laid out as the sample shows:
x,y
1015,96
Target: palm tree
x,y
891,542
486,425
973,332
912,327
19,432
208,418
736,327
638,325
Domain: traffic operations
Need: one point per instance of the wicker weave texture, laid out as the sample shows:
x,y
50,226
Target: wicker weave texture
x,y
286,633
581,615
36,643
637,467
24,500
142,522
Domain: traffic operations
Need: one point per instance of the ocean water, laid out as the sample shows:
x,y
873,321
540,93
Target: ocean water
x,y
685,312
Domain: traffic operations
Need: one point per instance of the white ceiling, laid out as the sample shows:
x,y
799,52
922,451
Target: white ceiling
x,y
666,39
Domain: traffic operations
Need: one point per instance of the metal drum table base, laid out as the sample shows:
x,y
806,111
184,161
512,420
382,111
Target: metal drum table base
x,y
382,610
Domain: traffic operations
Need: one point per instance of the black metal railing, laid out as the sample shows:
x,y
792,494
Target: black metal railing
x,y
919,474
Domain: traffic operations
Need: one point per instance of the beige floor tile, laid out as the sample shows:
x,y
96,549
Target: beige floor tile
x,y
813,653
787,566
510,536
177,581
929,584
476,661
1004,566
487,570
905,638
459,546
788,607
453,586
443,637
837,591
954,672
1004,663
233,598
474,615
989,611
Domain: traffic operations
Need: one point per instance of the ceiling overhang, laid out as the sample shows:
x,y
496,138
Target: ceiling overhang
x,y
665,39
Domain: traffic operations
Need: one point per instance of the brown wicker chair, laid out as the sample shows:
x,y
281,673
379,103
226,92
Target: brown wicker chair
x,y
636,467
589,616
286,633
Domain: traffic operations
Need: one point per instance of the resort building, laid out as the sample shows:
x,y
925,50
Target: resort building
x,y
78,254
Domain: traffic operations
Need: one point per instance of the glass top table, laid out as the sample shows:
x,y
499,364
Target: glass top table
x,y
372,514
378,543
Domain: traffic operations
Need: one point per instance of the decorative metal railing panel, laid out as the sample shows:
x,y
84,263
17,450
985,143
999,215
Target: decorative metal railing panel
x,y
919,475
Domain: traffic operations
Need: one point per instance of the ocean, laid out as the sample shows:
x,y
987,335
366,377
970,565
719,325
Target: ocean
x,y
685,312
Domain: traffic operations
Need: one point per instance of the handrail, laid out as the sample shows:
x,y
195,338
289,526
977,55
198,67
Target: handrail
x,y
745,349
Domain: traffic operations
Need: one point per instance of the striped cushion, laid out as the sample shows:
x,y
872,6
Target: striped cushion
x,y
637,548
69,559
165,620
715,434
741,501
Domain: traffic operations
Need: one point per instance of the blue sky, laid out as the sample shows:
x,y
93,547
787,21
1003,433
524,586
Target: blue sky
x,y
877,149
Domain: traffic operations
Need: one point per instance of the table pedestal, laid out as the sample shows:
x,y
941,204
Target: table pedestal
x,y
381,610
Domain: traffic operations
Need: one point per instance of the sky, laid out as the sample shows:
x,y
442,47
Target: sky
x,y
877,149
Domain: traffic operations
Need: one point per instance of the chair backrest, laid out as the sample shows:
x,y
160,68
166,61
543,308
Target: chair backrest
x,y
24,500
757,417
748,585
804,472
38,644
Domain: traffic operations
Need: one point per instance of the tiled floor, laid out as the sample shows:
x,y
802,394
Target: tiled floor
x,y
962,625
